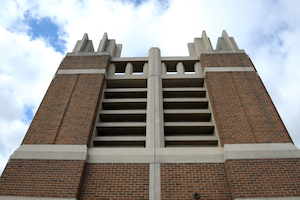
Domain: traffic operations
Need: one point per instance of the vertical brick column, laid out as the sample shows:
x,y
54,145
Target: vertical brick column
x,y
242,108
66,116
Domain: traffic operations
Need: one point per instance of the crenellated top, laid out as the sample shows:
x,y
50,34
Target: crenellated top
x,y
201,45
106,47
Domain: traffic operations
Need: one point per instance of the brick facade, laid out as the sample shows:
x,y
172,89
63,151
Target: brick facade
x,y
181,180
116,181
243,110
79,118
85,62
264,177
225,60
68,111
42,178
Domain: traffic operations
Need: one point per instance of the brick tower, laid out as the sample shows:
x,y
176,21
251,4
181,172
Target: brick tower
x,y
196,127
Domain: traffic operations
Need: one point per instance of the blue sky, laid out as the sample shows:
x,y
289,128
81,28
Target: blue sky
x,y
36,36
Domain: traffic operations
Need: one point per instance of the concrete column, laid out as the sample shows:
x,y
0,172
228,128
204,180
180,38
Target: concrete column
x,y
155,121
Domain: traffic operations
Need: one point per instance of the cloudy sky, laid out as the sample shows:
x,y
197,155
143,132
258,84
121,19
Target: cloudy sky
x,y
35,37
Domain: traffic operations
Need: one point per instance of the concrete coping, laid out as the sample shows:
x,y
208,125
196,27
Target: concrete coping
x,y
261,151
51,152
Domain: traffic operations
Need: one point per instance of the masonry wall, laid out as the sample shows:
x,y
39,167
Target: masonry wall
x,y
42,178
182,180
116,181
264,177
243,110
66,115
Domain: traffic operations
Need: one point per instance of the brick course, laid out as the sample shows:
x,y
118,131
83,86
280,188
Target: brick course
x,y
243,110
264,177
225,60
181,180
85,62
116,181
42,178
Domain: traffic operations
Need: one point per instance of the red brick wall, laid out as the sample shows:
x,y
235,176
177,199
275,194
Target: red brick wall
x,y
85,62
225,60
46,122
79,119
243,110
181,180
43,178
264,178
69,108
116,181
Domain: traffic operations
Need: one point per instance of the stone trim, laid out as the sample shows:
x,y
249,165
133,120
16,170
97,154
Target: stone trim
x,y
157,155
50,152
81,71
260,151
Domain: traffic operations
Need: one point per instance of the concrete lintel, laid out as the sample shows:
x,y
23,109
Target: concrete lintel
x,y
261,151
185,99
51,152
157,155
180,58
189,155
130,59
34,198
181,76
270,198
120,155
81,71
190,89
228,69
185,111
119,138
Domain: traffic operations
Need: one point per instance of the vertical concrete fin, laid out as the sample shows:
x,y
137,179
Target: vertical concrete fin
x,y
191,49
206,41
180,68
155,122
145,69
118,50
102,44
198,68
163,68
128,69
111,47
200,45
224,42
89,46
81,44
111,69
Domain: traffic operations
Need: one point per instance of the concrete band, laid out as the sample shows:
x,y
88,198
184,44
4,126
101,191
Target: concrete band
x,y
157,155
228,69
81,71
35,198
270,198
260,151
51,152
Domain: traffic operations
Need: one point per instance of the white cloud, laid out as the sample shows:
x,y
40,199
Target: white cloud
x,y
267,30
